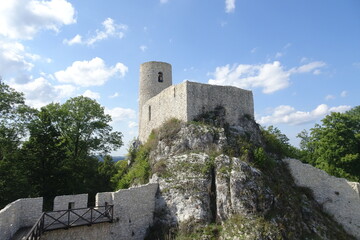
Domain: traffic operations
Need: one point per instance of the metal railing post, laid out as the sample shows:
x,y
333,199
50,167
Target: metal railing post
x,y
91,215
68,218
55,221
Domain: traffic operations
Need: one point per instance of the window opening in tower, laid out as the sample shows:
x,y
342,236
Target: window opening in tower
x,y
160,77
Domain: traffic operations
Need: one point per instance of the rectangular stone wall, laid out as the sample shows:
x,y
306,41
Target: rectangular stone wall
x,y
31,210
133,214
187,100
18,214
104,197
202,98
10,220
170,103
62,202
135,207
337,196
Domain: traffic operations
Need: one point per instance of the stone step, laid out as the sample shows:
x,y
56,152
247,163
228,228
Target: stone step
x,y
21,233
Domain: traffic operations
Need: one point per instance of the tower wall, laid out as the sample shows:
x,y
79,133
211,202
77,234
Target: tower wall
x,y
154,78
170,103
187,100
202,98
150,85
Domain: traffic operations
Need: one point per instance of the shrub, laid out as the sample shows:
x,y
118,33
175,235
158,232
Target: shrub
x,y
262,160
136,173
169,129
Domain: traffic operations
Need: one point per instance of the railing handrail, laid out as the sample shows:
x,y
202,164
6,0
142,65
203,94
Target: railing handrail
x,y
32,230
39,227
80,208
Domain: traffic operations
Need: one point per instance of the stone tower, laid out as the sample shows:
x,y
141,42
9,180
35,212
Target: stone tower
x,y
154,78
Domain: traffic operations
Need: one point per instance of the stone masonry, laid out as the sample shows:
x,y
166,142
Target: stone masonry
x,y
133,214
337,196
21,213
160,100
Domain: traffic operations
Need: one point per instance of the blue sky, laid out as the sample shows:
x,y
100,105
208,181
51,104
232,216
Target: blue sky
x,y
301,59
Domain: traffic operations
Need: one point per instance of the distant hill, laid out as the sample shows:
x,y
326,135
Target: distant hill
x,y
118,158
115,158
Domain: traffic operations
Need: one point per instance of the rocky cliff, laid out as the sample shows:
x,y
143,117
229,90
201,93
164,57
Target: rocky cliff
x,y
218,182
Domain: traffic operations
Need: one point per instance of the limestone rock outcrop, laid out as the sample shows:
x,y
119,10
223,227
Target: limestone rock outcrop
x,y
209,189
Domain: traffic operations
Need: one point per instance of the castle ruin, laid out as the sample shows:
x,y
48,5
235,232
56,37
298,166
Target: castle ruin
x,y
159,100
133,209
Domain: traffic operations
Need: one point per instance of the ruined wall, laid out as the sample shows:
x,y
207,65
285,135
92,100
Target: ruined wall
x,y
133,214
202,98
188,99
79,201
170,103
150,85
337,196
21,213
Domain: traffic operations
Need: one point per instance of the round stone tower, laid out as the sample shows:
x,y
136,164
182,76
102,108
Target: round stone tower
x,y
154,77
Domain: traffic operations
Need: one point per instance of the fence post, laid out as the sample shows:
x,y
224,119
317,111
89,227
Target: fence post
x,y
91,215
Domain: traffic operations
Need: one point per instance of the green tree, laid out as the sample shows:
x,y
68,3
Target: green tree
x,y
86,131
44,158
85,126
277,143
336,144
14,117
106,171
306,147
60,155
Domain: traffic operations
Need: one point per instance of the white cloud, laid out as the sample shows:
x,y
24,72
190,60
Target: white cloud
x,y
114,95
143,48
279,55
120,114
75,40
310,67
110,29
329,97
271,77
254,50
303,59
14,58
341,109
90,73
39,92
133,124
22,19
90,94
229,6
289,115
344,94
287,45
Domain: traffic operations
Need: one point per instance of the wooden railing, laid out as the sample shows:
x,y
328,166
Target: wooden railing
x,y
65,219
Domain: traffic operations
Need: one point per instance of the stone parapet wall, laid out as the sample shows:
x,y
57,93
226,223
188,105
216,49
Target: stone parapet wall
x,y
78,200
337,196
202,98
105,197
21,213
170,103
187,100
133,215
